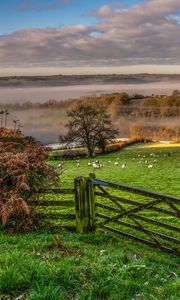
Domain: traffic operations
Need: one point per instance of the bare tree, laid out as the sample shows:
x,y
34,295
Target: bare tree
x,y
89,126
15,124
6,114
1,113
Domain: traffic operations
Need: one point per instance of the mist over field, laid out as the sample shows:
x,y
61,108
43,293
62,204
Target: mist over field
x,y
42,109
20,90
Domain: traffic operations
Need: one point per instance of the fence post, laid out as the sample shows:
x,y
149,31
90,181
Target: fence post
x,y
84,205
91,192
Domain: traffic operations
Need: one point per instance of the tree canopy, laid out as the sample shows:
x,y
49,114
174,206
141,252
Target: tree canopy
x,y
89,126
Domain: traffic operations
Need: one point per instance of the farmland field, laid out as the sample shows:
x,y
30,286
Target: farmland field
x,y
163,177
99,266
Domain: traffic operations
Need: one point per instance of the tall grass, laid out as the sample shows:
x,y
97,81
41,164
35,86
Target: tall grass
x,y
99,267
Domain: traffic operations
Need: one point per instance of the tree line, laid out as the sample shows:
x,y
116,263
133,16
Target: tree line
x,y
118,104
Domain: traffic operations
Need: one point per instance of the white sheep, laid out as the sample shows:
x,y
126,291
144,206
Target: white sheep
x,y
95,165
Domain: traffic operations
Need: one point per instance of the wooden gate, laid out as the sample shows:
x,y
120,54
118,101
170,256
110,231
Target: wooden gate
x,y
135,213
54,208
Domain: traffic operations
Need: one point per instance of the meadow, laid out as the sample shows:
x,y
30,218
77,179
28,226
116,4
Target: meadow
x,y
57,266
163,177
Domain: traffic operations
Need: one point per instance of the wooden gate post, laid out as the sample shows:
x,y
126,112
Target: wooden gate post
x,y
84,205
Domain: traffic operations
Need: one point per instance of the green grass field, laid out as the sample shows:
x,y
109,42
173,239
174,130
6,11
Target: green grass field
x,y
99,266
163,177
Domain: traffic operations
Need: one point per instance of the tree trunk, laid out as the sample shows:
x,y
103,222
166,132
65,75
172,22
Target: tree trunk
x,y
90,152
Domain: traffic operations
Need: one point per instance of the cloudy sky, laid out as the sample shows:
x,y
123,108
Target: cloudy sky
x,y
89,36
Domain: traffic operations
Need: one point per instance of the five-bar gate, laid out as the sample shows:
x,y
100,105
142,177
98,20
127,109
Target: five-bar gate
x,y
135,213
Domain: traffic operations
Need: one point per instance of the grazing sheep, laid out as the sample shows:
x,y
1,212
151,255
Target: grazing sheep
x,y
123,166
116,163
97,165
150,166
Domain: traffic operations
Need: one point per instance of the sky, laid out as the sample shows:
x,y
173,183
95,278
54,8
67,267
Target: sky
x,y
89,36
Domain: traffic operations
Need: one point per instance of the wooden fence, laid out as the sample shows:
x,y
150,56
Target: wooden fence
x,y
135,213
54,208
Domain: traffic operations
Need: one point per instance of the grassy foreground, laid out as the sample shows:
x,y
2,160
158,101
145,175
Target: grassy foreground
x,y
47,266
42,266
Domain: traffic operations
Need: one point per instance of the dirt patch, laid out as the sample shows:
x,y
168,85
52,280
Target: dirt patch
x,y
57,243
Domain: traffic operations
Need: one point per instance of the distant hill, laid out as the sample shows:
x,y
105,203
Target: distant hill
x,y
64,80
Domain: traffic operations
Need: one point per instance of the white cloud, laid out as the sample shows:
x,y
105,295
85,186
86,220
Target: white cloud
x,y
143,34
104,11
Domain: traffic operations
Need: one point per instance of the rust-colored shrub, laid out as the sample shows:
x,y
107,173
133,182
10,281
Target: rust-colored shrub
x,y
23,169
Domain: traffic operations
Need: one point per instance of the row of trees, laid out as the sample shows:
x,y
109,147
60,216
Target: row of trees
x,y
4,118
117,104
4,115
154,132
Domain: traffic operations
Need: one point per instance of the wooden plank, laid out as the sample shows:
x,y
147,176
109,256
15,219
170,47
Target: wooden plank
x,y
135,203
132,211
144,241
57,216
142,229
158,223
152,221
54,191
81,204
58,228
68,203
107,207
136,190
91,202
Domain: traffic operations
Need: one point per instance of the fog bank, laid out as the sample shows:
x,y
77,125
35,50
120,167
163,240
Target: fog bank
x,y
43,94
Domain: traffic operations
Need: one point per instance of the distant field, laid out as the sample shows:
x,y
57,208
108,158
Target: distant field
x,y
163,144
162,177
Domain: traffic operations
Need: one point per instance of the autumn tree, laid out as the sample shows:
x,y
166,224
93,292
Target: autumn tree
x,y
90,126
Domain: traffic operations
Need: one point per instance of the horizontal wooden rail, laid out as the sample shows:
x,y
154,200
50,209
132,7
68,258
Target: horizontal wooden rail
x,y
145,230
54,191
135,203
136,190
143,218
57,216
139,239
51,203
